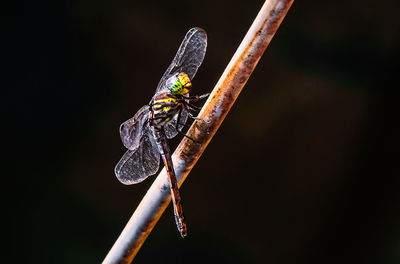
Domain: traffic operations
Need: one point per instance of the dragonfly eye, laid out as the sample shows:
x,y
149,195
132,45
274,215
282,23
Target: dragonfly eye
x,y
179,84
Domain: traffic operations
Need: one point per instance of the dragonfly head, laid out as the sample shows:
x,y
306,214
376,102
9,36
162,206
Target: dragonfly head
x,y
179,84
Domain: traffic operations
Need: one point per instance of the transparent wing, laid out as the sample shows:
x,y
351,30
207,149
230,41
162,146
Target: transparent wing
x,y
170,127
136,165
131,131
189,57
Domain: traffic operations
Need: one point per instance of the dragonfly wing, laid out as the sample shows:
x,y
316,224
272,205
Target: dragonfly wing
x,y
170,127
136,165
131,131
189,57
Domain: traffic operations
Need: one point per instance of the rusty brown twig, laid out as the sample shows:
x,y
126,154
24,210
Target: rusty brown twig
x,y
213,112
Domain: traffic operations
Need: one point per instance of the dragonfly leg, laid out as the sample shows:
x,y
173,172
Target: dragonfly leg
x,y
197,97
178,124
196,118
194,99
183,134
192,107
186,136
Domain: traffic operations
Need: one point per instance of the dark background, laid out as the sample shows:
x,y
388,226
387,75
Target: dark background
x,y
303,170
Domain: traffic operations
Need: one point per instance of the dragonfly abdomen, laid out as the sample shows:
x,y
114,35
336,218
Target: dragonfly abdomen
x,y
165,153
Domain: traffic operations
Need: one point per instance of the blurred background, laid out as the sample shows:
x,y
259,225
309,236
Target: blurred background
x,y
303,170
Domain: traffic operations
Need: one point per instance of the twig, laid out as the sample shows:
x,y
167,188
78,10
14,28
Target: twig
x,y
214,111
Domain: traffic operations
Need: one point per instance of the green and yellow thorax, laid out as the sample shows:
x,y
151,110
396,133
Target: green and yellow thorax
x,y
163,108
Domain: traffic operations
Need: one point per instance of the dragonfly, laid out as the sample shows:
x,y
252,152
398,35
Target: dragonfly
x,y
145,134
